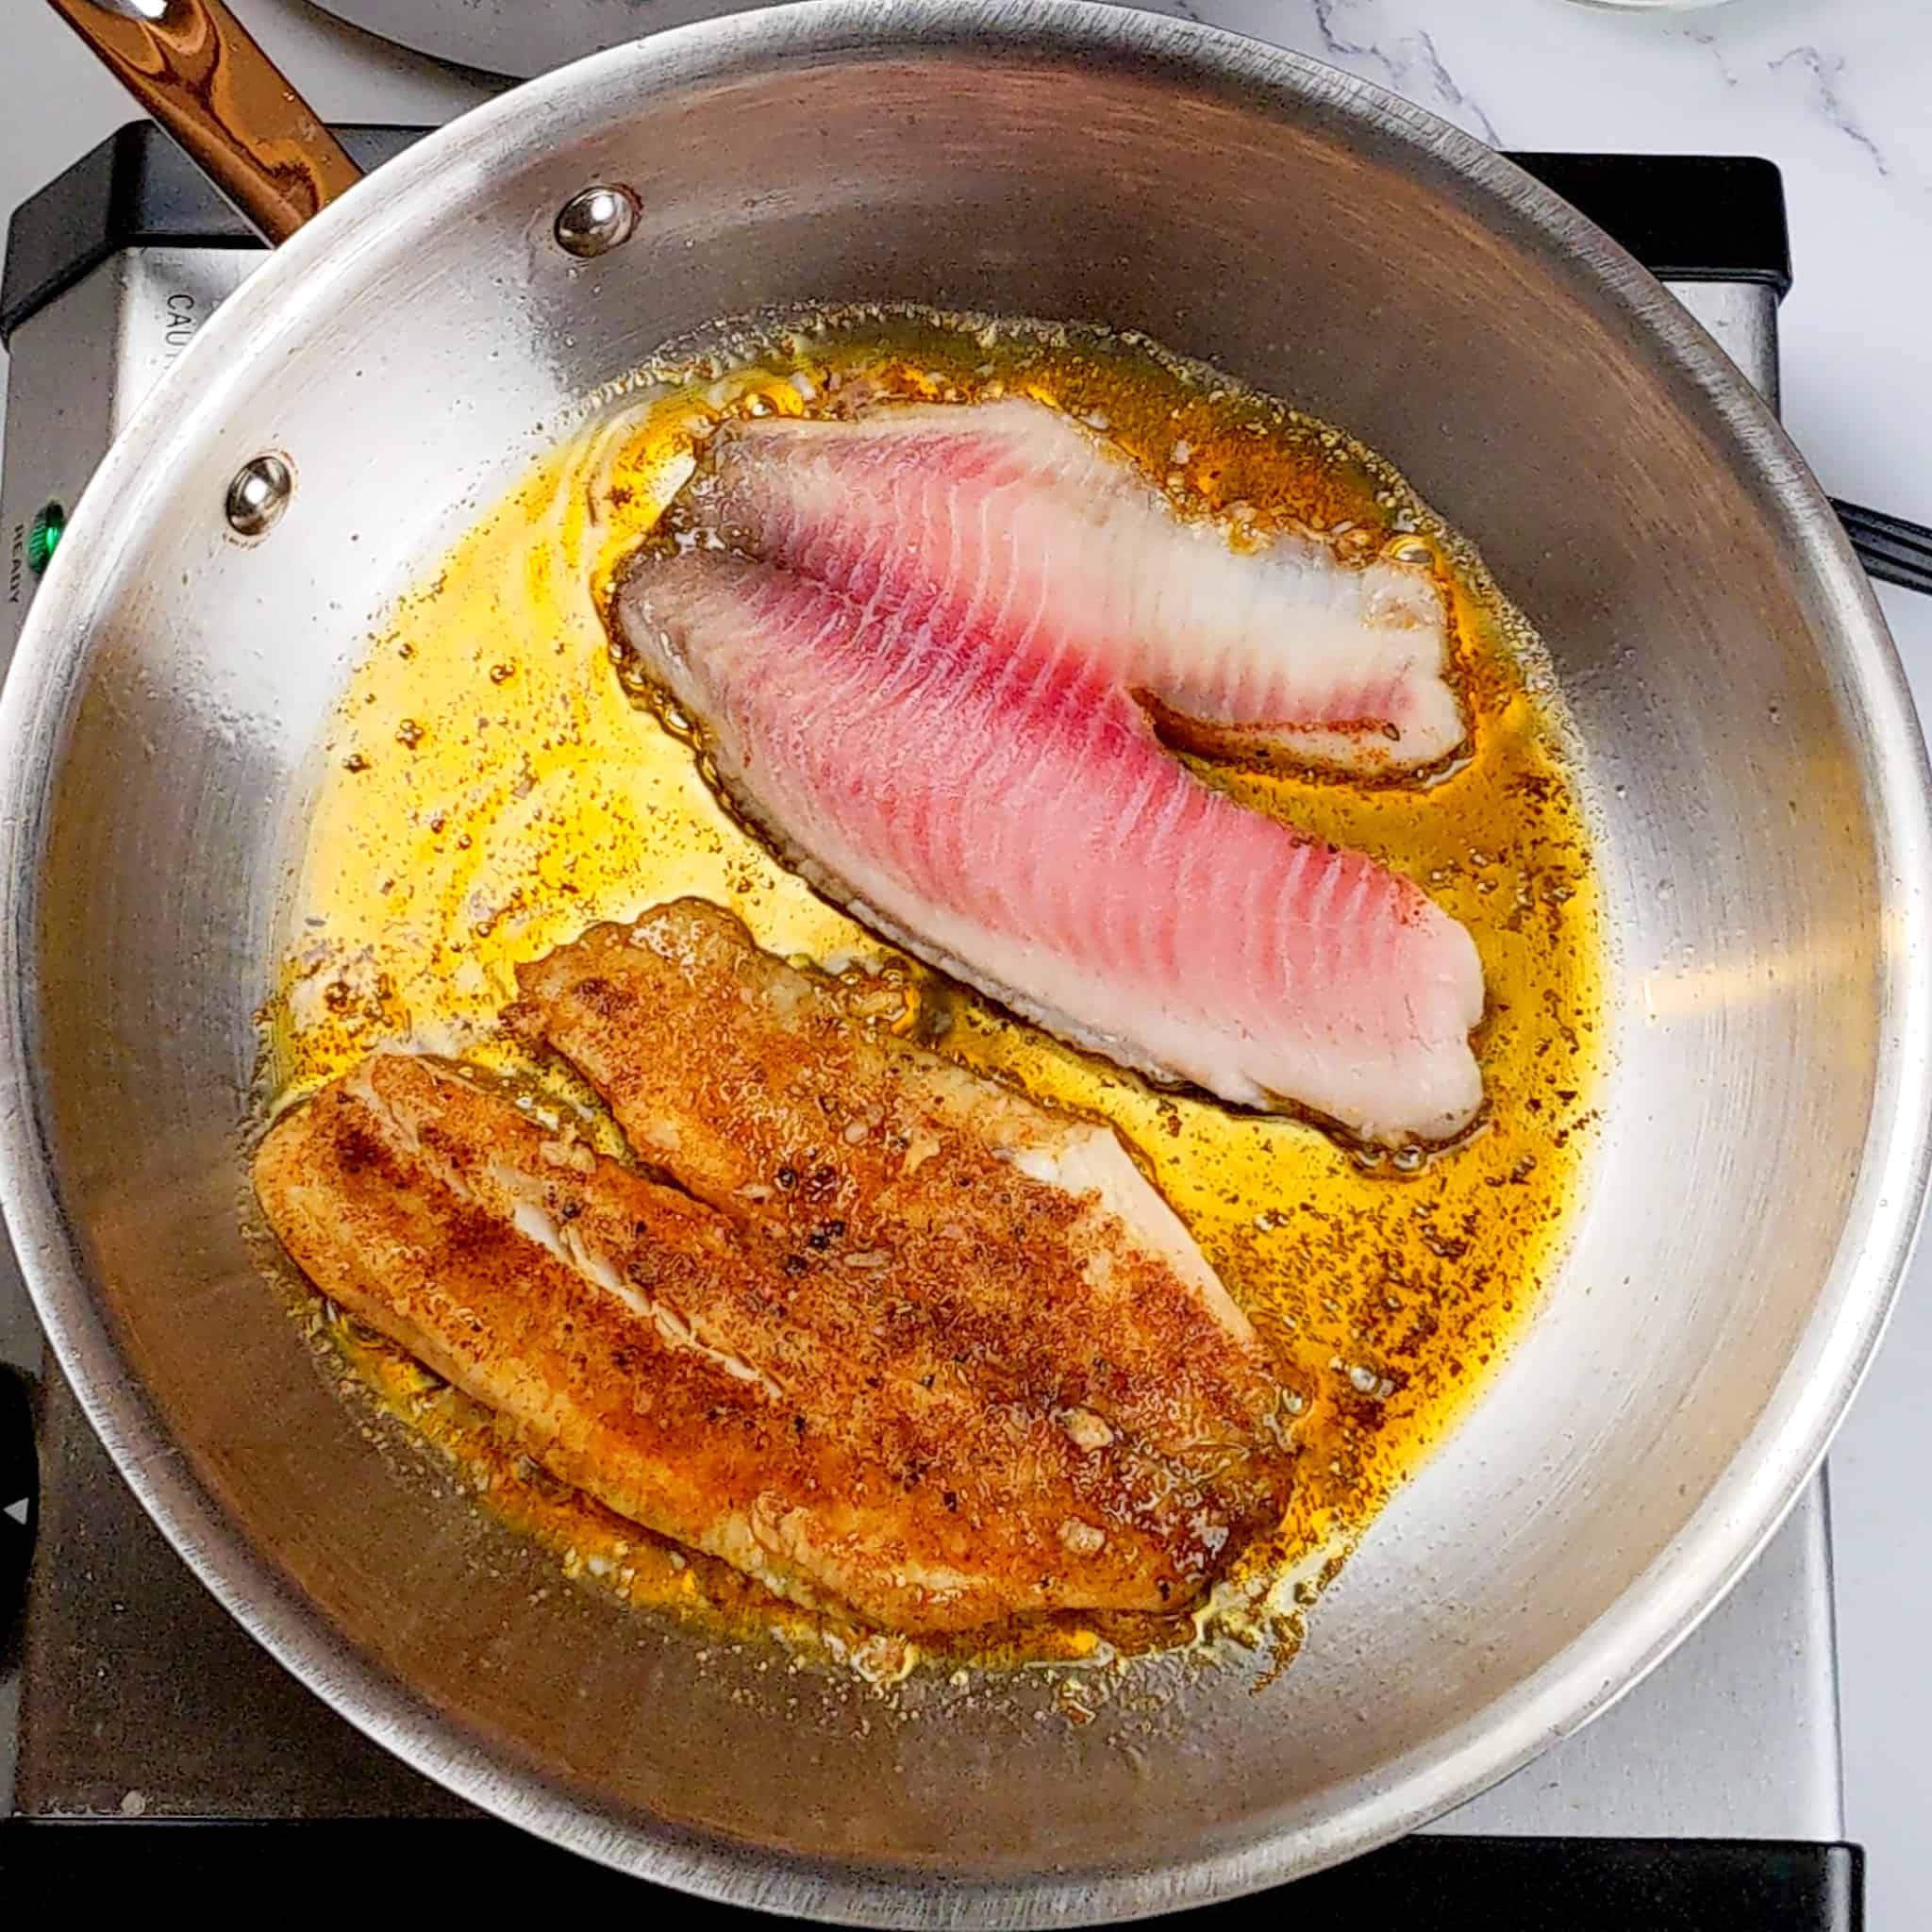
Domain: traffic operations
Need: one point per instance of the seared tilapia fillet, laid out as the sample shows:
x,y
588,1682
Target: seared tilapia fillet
x,y
1024,1234
938,1373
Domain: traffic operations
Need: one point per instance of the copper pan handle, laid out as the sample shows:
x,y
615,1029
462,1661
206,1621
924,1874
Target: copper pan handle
x,y
194,66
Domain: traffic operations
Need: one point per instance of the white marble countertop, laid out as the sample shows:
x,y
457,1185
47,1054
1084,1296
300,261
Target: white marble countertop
x,y
1836,92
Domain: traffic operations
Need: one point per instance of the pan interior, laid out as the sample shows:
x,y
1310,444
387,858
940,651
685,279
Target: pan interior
x,y
1756,782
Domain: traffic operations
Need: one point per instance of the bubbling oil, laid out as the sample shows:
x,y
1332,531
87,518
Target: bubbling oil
x,y
491,787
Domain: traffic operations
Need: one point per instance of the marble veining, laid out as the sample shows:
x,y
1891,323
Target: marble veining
x,y
1409,62
1836,69
1826,71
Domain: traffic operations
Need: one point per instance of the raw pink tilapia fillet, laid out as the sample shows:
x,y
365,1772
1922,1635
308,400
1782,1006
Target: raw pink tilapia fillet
x,y
1008,518
986,789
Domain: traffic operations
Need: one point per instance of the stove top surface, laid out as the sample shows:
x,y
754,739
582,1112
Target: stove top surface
x,y
127,1694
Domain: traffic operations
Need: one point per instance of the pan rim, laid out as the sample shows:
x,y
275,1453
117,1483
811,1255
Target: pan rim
x,y
1766,1471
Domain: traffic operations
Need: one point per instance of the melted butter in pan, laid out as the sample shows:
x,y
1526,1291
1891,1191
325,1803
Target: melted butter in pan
x,y
490,790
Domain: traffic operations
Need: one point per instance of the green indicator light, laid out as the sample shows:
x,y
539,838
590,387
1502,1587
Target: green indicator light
x,y
43,539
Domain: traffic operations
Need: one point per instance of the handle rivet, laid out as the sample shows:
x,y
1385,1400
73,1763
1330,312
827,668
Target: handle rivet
x,y
596,220
259,495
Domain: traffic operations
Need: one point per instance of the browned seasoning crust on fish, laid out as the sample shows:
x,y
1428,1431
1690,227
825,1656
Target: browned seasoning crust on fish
x,y
933,1414
747,1079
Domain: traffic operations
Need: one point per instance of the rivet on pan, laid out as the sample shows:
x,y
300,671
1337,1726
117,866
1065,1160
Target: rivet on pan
x,y
596,220
259,495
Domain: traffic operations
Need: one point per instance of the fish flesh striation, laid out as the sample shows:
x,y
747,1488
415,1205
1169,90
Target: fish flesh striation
x,y
1001,805
1008,520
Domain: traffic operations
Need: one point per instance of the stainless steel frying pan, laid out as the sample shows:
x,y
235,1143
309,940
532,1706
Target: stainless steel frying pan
x,y
1758,781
